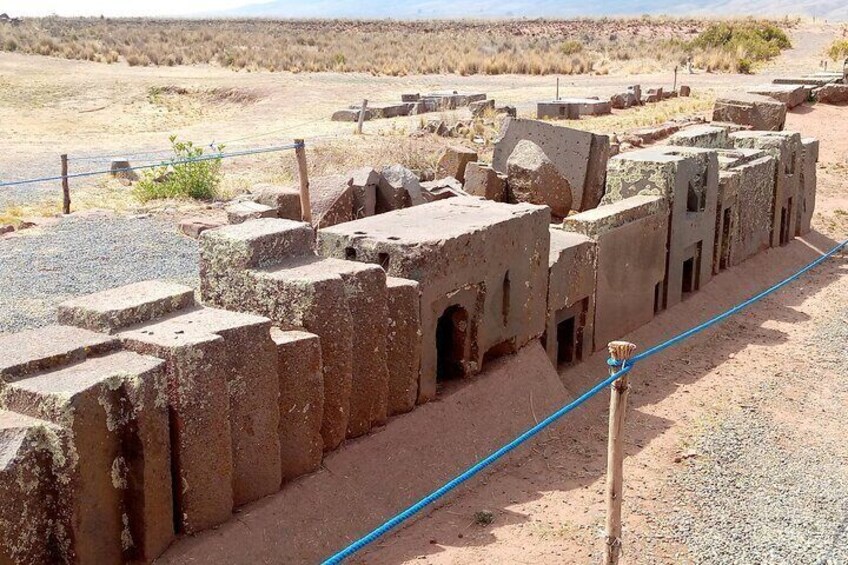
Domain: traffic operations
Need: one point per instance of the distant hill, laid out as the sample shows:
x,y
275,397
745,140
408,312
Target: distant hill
x,y
415,9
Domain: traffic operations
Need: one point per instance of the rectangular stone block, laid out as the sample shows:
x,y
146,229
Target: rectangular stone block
x,y
114,481
569,337
758,112
403,344
631,237
790,94
285,199
807,189
32,525
787,149
580,157
332,200
364,183
482,272
301,402
833,94
40,349
484,181
706,136
243,211
688,178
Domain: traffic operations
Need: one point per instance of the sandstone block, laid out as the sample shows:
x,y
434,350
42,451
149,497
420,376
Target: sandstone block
x,y
193,227
399,188
808,181
706,136
240,212
364,183
533,178
286,199
453,161
833,94
759,112
790,94
403,344
580,157
301,402
482,180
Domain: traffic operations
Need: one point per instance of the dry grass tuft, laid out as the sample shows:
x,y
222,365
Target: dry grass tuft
x,y
534,47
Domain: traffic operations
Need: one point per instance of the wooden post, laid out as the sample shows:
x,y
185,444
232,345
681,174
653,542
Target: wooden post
x,y
362,110
619,351
675,79
557,88
305,206
66,191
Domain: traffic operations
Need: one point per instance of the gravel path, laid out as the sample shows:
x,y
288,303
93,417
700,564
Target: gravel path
x,y
761,487
84,254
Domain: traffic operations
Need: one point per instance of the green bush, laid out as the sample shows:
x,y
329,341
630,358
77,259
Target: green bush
x,y
753,41
182,176
838,50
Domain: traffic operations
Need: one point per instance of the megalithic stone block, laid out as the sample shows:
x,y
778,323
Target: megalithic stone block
x,y
115,481
32,527
301,402
807,188
223,393
631,237
403,344
580,157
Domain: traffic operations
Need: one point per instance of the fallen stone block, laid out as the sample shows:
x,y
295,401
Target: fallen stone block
x,y
685,91
301,402
811,81
453,161
534,179
631,231
572,108
399,188
364,183
193,227
790,94
440,189
352,115
759,112
833,94
571,298
480,107
482,180
243,211
580,157
332,200
286,199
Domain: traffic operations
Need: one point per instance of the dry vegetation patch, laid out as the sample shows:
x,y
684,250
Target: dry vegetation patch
x,y
400,47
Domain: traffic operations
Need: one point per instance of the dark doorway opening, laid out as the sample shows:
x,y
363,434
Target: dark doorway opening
x,y
567,341
689,282
724,251
450,344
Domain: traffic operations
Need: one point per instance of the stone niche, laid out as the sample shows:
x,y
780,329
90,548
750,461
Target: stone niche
x,y
688,178
569,335
786,147
481,267
631,237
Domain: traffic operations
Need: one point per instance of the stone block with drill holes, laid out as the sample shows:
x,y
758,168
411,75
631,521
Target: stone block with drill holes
x,y
743,213
343,302
301,401
787,149
571,297
580,157
222,377
482,271
807,189
482,180
631,237
688,178
110,466
403,344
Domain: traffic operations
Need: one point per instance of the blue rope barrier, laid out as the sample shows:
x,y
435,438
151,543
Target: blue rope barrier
x,y
473,470
625,368
160,164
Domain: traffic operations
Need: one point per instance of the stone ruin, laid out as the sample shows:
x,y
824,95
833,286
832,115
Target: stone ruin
x,y
152,411
575,108
414,105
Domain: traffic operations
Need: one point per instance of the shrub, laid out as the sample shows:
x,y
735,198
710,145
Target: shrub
x,y
571,47
838,50
183,176
747,42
